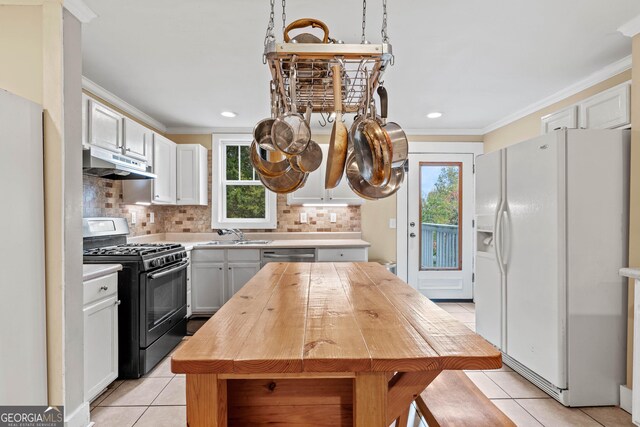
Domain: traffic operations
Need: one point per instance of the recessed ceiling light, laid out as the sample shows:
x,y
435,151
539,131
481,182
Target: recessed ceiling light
x,y
229,114
434,115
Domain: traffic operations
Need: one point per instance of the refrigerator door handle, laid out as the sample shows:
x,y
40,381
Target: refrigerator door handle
x,y
505,226
498,237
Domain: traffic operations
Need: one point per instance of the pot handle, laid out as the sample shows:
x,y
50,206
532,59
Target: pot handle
x,y
384,102
307,22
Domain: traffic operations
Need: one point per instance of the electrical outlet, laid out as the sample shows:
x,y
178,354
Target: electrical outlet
x,y
392,223
303,218
333,217
134,217
152,218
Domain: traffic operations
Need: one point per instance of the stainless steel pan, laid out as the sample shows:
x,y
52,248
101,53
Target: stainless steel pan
x,y
395,134
367,191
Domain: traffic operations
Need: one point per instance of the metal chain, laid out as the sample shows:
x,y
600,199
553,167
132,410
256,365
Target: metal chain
x,y
284,15
269,36
364,21
385,35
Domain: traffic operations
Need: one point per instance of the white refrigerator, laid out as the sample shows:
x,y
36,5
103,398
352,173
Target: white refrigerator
x,y
552,233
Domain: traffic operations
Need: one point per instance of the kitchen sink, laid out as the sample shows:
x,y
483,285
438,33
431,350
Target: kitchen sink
x,y
253,242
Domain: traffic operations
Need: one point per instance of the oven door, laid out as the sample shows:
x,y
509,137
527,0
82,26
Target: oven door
x,y
164,301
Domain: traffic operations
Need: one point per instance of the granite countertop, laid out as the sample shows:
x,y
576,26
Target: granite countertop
x,y
632,273
93,271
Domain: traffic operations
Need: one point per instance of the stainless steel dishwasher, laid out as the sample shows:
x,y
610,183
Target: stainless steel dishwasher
x,y
287,255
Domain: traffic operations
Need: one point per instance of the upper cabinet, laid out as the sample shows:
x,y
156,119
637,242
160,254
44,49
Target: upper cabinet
x,y
314,192
138,141
164,166
566,118
607,110
610,109
192,175
105,127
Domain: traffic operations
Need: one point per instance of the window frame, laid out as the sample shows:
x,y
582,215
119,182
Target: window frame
x,y
220,183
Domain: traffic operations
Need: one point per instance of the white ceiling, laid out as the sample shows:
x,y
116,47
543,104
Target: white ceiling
x,y
184,61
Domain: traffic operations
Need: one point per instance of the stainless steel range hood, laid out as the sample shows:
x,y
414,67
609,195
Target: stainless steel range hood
x,y
106,164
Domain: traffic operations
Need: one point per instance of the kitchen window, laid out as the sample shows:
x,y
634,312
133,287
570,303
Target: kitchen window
x,y
240,200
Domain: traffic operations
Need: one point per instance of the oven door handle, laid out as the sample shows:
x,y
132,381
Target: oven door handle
x,y
181,266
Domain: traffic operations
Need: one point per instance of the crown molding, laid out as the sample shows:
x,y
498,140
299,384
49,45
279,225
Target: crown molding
x,y
80,10
195,130
631,28
444,132
103,93
607,72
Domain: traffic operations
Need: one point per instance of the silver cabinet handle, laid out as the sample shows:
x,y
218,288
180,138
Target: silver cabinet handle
x,y
104,288
117,302
412,235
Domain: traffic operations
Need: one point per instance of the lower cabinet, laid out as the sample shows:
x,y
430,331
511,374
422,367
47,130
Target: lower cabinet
x,y
343,255
217,274
100,334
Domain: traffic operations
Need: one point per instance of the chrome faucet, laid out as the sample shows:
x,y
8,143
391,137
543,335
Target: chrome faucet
x,y
238,233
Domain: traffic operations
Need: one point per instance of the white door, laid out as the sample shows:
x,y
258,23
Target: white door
x,y
440,246
105,127
100,346
239,274
533,251
137,140
208,289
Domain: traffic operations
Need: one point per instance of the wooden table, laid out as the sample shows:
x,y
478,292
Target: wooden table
x,y
322,344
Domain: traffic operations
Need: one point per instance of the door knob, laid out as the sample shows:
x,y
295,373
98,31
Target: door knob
x,y
412,224
412,235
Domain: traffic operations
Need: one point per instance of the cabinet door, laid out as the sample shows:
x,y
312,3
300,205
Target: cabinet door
x,y
208,287
105,127
137,140
313,190
607,110
239,274
567,118
191,175
164,163
343,194
100,346
343,255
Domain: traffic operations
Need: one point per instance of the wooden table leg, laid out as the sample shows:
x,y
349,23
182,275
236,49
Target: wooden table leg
x,y
370,399
403,419
206,401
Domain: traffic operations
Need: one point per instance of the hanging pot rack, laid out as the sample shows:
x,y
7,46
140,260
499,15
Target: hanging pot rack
x,y
313,63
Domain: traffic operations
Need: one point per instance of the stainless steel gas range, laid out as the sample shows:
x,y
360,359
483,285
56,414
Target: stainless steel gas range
x,y
152,287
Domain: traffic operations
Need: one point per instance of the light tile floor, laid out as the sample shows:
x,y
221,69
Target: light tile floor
x,y
158,399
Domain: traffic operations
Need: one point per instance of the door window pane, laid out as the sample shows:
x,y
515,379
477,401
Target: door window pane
x,y
440,210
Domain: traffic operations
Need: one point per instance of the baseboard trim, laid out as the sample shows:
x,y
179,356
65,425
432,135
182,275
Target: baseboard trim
x,y
79,418
625,398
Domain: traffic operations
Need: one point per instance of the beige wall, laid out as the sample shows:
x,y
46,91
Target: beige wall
x,y
202,139
529,126
634,199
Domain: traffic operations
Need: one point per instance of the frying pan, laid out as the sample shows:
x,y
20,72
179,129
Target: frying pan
x,y
365,190
309,160
394,132
286,183
339,136
266,167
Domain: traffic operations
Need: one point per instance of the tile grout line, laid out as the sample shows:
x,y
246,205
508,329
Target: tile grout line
x,y
580,409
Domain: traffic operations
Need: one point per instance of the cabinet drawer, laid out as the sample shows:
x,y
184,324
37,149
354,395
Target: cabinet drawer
x,y
342,254
208,255
243,255
99,288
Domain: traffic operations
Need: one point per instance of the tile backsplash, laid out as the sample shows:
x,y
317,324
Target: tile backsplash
x,y
103,197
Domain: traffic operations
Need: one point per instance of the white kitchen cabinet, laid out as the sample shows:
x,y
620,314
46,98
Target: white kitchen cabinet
x,y
565,118
192,175
105,127
138,141
100,334
208,289
161,190
607,110
343,255
239,273
314,192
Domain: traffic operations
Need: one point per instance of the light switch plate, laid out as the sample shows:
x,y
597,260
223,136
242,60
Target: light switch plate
x,y
333,217
303,217
392,223
152,218
134,217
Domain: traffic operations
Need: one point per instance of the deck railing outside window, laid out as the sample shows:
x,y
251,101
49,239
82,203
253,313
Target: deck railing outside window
x,y
439,246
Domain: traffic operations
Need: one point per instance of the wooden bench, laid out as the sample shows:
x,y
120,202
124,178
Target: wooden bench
x,y
453,400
